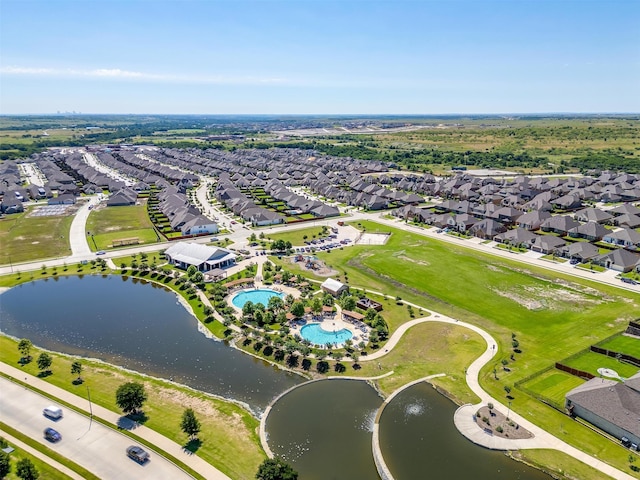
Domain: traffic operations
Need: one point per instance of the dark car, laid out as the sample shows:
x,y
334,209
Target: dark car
x,y
629,280
137,453
52,435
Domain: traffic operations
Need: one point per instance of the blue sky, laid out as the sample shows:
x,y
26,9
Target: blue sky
x,y
320,57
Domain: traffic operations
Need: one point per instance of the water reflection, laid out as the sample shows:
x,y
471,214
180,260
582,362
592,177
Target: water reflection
x,y
136,325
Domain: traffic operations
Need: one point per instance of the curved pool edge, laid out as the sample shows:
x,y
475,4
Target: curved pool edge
x,y
234,295
378,458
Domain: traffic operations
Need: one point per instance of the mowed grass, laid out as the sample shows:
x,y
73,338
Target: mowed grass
x,y
427,349
491,292
24,238
553,385
229,433
591,362
296,237
556,461
623,344
109,224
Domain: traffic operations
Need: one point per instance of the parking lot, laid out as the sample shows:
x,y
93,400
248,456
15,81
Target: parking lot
x,y
95,447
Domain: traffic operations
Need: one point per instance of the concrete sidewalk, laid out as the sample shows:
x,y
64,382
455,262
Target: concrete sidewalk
x,y
161,442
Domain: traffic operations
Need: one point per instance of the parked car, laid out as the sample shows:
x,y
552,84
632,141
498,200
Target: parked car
x,y
629,280
52,412
52,435
137,453
100,252
574,261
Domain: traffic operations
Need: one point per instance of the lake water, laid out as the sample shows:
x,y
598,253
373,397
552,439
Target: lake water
x,y
323,428
140,326
417,435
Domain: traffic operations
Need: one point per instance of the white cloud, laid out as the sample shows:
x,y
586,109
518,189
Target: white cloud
x,y
119,74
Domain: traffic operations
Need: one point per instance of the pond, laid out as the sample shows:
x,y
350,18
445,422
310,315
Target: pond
x,y
140,326
417,435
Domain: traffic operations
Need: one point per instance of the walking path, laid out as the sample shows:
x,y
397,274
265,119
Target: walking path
x,y
161,442
41,456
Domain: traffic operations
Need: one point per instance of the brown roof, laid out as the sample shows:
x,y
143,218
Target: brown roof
x,y
354,315
239,281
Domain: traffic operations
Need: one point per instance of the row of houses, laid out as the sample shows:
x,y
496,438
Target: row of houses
x,y
183,216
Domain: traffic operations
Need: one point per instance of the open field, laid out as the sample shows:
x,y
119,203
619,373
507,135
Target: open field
x,y
229,433
553,385
25,238
109,224
591,362
427,349
623,344
496,295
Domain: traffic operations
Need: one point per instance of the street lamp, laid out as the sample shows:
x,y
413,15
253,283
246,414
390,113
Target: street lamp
x,y
509,410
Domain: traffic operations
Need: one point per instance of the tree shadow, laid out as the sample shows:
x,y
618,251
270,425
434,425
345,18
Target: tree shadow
x,y
192,445
132,421
45,374
78,381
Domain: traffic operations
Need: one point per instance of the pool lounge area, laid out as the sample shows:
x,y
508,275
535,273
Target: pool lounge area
x,y
316,334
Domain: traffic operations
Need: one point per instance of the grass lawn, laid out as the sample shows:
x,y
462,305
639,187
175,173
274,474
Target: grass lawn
x,y
556,461
296,237
429,348
26,239
107,224
591,362
623,344
503,297
229,433
553,385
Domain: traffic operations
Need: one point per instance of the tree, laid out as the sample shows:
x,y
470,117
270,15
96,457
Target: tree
x,y
44,361
191,271
130,396
76,369
5,464
190,424
276,469
349,303
316,306
26,470
275,303
24,347
297,309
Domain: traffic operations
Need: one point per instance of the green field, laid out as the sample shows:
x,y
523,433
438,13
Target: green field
x,y
591,362
26,239
553,385
109,224
623,344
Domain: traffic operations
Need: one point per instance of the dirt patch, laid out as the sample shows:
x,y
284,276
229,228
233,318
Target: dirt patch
x,y
540,298
496,421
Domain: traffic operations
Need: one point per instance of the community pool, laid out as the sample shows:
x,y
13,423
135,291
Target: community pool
x,y
261,295
317,335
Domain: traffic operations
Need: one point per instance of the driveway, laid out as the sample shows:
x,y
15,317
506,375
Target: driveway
x,y
95,447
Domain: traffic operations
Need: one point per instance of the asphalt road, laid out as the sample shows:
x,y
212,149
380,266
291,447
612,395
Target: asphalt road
x,y
99,449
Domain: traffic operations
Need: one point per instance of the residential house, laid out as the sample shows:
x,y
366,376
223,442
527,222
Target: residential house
x,y
625,237
487,229
64,199
592,231
533,220
547,244
560,224
581,251
517,237
199,225
620,260
610,405
592,215
124,196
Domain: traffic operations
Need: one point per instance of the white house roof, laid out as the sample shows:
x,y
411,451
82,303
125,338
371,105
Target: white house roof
x,y
196,254
332,285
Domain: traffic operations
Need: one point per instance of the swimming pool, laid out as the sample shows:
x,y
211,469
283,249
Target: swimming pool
x,y
256,296
317,335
